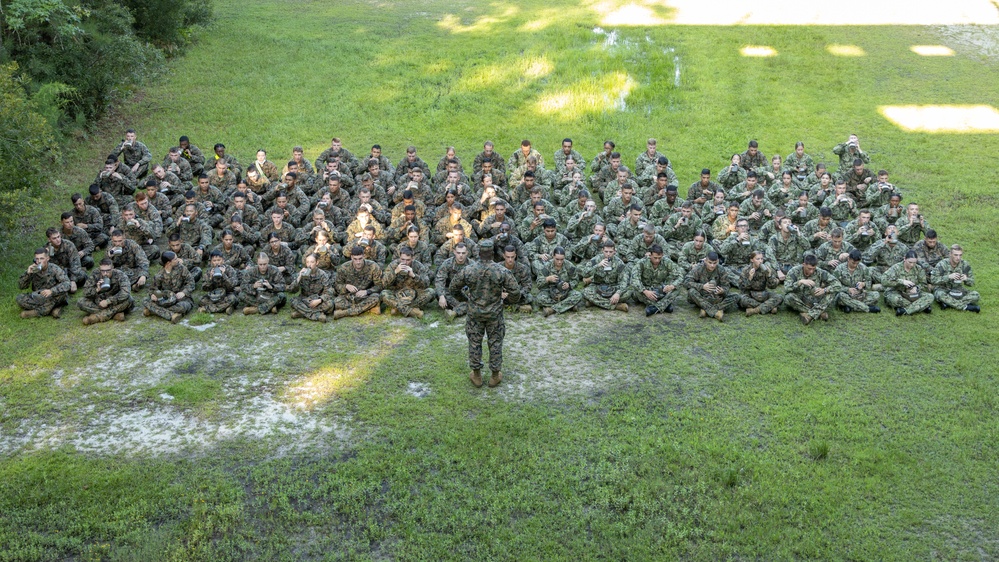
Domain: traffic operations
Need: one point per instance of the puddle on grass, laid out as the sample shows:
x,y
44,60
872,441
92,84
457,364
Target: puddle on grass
x,y
418,389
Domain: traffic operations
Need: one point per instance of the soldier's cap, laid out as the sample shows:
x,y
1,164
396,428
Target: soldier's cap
x,y
486,244
167,257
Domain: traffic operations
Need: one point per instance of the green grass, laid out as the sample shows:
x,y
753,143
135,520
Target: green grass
x,y
865,438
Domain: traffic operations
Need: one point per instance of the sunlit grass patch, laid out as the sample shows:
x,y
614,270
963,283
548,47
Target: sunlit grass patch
x,y
943,118
845,50
758,51
932,50
607,93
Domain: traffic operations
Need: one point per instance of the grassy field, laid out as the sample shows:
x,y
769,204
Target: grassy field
x,y
613,436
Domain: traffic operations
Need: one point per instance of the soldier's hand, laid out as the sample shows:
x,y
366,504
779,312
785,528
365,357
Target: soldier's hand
x,y
442,302
780,275
504,295
153,298
141,281
650,295
315,303
34,267
669,288
361,294
554,278
258,285
45,293
104,303
819,291
806,282
180,296
615,298
350,288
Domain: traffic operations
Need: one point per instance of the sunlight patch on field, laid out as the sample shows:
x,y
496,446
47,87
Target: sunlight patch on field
x,y
593,95
453,23
845,50
630,14
943,118
758,51
491,75
932,50
798,12
544,19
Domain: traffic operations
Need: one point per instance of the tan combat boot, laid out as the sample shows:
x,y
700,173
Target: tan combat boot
x,y
147,312
720,315
805,318
296,314
495,379
752,311
321,317
338,314
476,377
525,309
250,310
622,307
175,317
703,313
416,313
90,319
57,312
548,311
29,314
120,317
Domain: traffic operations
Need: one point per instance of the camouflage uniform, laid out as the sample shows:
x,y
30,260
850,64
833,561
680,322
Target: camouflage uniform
x,y
54,279
881,256
318,284
758,291
910,232
285,258
950,292
443,281
404,293
144,233
929,258
897,295
225,183
181,168
237,257
691,256
121,188
195,232
606,281
229,283
738,254
827,253
108,207
731,176
264,299
847,156
646,277
179,280
374,251
68,258
482,286
710,303
560,158
522,273
859,237
369,279
746,210
542,246
800,298
865,298
91,216
552,295
232,164
637,247
119,295
132,260
789,251
137,153
191,260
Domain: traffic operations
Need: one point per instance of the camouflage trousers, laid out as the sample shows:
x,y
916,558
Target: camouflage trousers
x,y
265,302
494,328
301,305
525,298
859,303
763,300
165,312
460,307
895,299
104,314
152,251
133,274
406,300
224,303
812,306
354,306
565,304
86,262
712,303
43,306
100,240
663,302
592,294
944,297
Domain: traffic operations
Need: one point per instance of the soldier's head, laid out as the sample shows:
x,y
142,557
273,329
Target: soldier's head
x,y
786,177
570,164
117,238
776,160
615,160
803,199
525,147
785,224
930,240
912,210
548,226
374,169
191,211
733,211
368,233
809,264
753,148
532,163
529,179
322,237
840,188
599,229
742,226
227,239
263,261
864,217
853,258
216,259
705,177
274,242
686,209
487,166
416,173
538,208
711,261
169,260
219,149
751,180
566,146
558,255
310,261
509,256
79,203
141,200
836,235
656,254
825,216
756,259
151,188
67,222
609,147
239,201
956,253
318,217
882,176
406,256
411,154
110,164
650,146
175,242
106,268
799,148
413,235
662,180
277,217
757,197
910,260
699,239
671,194
174,154
281,200
736,159
127,214
290,178
54,236
608,249
858,166
499,208
333,184
457,233
460,252
261,156
648,233
42,258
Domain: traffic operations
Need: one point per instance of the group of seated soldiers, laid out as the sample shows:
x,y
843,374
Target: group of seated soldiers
x,y
350,234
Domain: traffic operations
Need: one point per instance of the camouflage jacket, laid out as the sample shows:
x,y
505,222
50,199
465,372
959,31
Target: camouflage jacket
x,y
396,282
483,284
369,278
119,292
177,280
52,278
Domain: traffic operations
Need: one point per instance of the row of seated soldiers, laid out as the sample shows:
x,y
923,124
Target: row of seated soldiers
x,y
828,217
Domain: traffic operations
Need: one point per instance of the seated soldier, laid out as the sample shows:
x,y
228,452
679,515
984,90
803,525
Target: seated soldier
x,y
929,250
655,281
116,180
862,233
951,278
129,258
539,250
859,292
170,290
737,250
708,286
756,210
602,159
281,257
565,153
358,284
106,204
316,292
193,230
187,255
160,202
878,193
801,210
724,225
784,191
906,289
757,282
233,254
373,249
174,163
299,161
49,287
703,190
447,249
788,247
327,252
885,253
833,252
106,295
453,304
406,285
232,164
166,183
89,219
819,231
136,155
912,226
141,231
192,154
679,228
79,237
521,272
693,252
733,174
64,254
630,227
284,231
810,290
641,246
220,285
592,245
262,287
581,224
842,206
607,280
556,284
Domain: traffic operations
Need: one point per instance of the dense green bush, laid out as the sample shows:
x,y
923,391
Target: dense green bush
x,y
168,24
